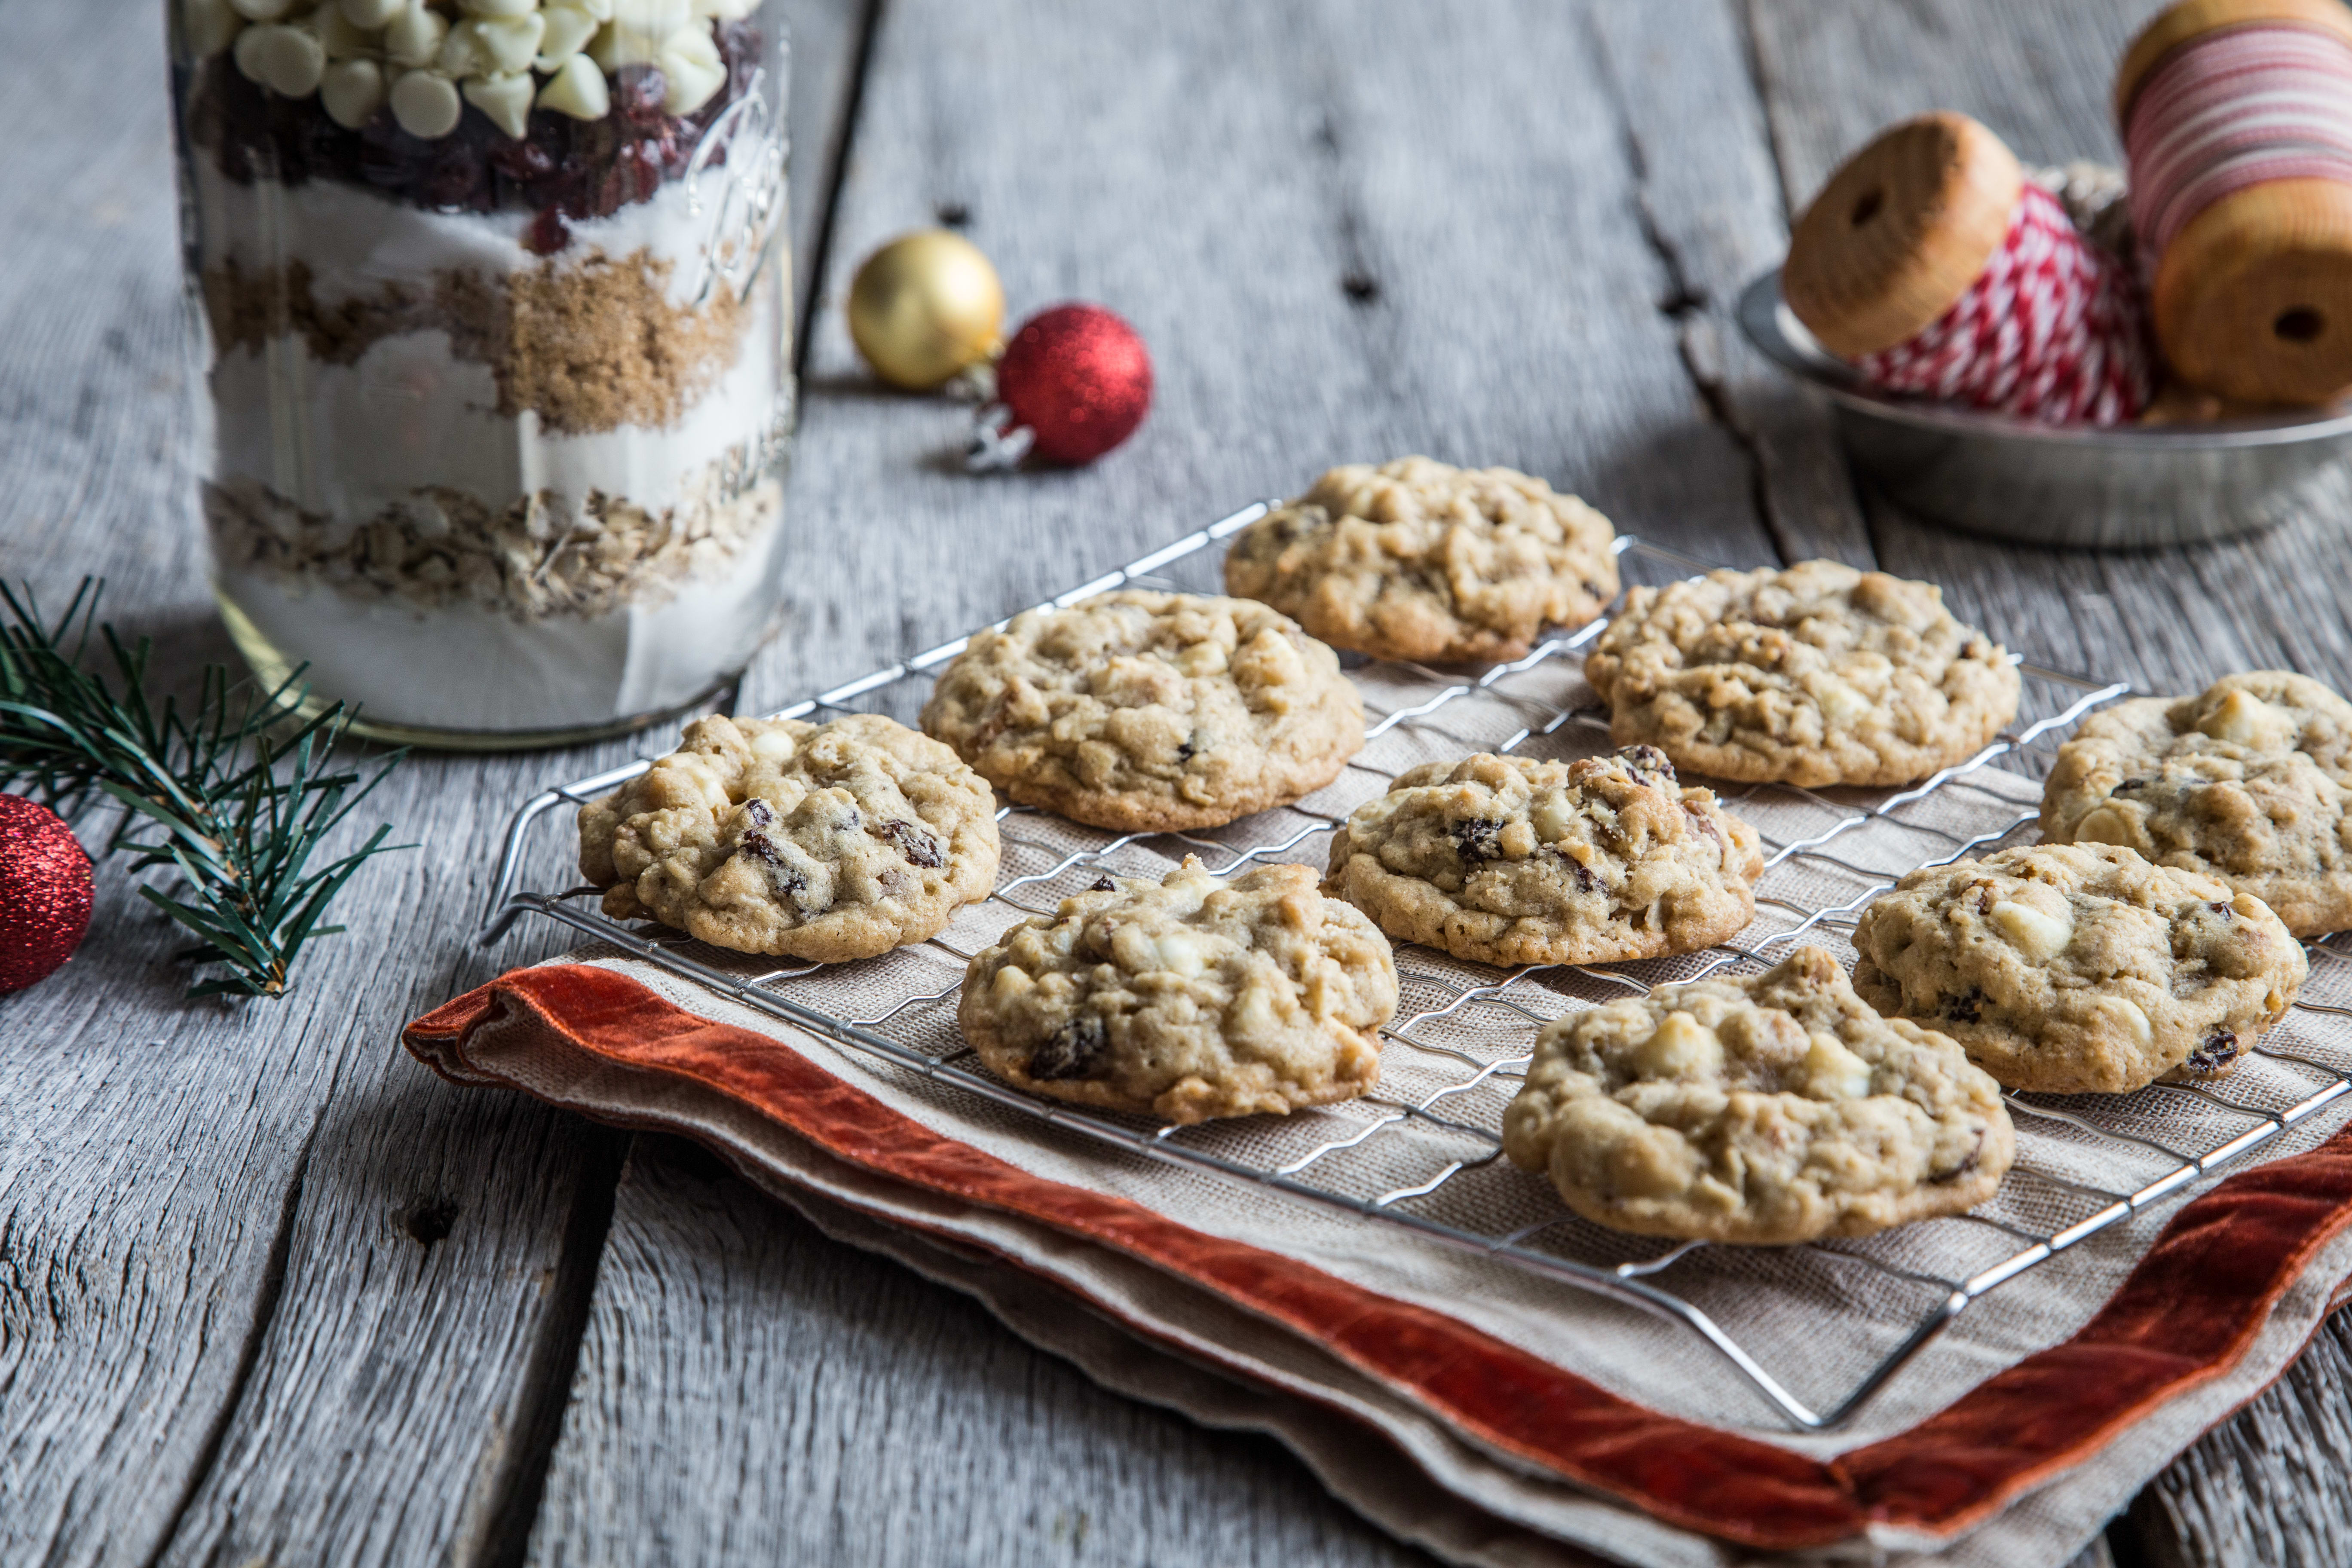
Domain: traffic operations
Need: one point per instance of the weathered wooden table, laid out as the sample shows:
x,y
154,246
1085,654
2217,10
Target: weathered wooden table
x,y
270,1293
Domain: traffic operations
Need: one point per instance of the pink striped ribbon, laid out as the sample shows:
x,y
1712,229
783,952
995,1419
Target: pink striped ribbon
x,y
2233,109
2053,330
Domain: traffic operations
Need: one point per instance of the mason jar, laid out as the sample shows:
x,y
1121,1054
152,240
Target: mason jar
x,y
498,338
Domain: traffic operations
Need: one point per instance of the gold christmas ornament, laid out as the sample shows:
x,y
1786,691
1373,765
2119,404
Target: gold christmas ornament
x,y
925,307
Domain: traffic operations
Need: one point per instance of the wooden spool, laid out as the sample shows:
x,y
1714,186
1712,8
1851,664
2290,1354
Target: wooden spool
x,y
1900,232
2252,299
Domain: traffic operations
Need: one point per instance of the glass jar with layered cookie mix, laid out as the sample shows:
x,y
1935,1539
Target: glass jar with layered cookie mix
x,y
498,340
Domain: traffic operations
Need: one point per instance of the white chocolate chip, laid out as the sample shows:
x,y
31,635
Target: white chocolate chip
x,y
599,9
1681,1044
2246,719
287,60
724,10
212,26
568,30
498,7
1254,1014
1553,815
2106,825
2037,935
1203,658
1833,1072
352,90
690,62
506,98
773,744
413,37
1010,982
1171,953
1843,707
371,14
262,10
510,42
426,105
577,90
344,38
464,52
638,30
2134,1021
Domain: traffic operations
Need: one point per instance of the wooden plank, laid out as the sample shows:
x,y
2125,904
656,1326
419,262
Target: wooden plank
x,y
1710,205
1240,167
2039,75
267,1288
2266,1486
745,1382
752,1391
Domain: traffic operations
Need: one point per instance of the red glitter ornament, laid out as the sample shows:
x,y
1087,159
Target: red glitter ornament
x,y
44,892
1073,382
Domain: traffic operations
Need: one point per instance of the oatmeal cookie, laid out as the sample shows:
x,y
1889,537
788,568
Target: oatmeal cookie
x,y
1187,998
820,841
1766,1107
1143,711
1505,860
1816,675
2076,968
1417,559
2251,781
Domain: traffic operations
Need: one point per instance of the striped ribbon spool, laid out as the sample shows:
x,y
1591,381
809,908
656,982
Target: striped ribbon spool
x,y
2053,331
2232,108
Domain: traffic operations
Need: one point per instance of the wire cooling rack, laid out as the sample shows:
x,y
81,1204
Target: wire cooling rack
x,y
1424,1152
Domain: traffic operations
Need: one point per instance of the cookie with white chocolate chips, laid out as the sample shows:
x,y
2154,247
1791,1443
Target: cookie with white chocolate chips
x,y
2250,781
820,841
1816,675
1507,860
1187,998
2080,968
1146,711
1768,1108
1418,559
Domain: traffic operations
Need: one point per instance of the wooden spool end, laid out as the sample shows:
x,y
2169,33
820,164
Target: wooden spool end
x,y
1900,232
2177,24
2253,299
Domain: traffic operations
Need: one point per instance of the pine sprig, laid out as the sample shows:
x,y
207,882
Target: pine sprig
x,y
235,796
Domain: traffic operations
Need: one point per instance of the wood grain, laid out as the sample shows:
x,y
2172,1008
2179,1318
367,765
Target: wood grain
x,y
2269,1485
752,1391
267,1288
1242,165
269,1293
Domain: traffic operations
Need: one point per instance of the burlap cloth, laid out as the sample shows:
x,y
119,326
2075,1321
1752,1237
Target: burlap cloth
x,y
1461,1400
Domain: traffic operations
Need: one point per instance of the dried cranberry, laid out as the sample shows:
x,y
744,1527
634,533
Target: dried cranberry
x,y
1075,1050
548,233
523,161
459,178
919,846
639,93
1103,885
1479,838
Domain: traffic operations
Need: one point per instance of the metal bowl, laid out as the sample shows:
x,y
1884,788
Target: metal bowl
x,y
2116,488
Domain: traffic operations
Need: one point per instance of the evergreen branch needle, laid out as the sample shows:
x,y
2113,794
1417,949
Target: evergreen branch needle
x,y
232,797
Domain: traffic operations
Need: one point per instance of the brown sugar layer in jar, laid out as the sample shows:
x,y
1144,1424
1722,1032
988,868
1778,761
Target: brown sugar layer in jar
x,y
587,345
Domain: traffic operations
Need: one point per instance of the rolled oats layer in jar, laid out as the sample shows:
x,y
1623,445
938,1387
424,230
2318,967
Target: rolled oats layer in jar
x,y
499,348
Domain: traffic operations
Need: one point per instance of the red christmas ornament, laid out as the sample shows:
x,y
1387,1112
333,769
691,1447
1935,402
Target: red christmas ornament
x,y
44,892
1073,382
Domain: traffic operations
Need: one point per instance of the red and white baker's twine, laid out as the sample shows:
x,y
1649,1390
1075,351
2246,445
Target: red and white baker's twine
x,y
2053,330
2233,109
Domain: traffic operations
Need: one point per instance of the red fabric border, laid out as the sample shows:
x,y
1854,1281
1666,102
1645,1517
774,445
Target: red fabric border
x,y
2185,1314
